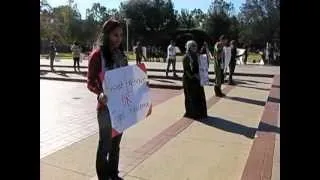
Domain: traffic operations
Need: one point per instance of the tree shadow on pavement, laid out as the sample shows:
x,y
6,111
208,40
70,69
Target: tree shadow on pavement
x,y
262,89
236,128
268,128
62,74
246,100
165,81
43,72
274,100
275,86
252,81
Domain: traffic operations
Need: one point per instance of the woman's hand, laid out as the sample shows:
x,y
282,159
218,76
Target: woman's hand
x,y
102,98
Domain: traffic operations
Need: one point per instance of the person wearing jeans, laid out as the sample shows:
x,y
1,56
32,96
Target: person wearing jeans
x,y
110,55
233,61
171,56
76,50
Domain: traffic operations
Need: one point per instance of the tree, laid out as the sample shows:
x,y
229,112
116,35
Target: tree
x,y
260,21
219,19
199,17
191,19
186,19
149,17
97,13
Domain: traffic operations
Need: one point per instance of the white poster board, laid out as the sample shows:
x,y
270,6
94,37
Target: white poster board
x,y
203,69
128,95
227,58
240,52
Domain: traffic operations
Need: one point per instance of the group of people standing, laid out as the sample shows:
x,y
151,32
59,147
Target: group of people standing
x,y
152,53
195,101
110,55
76,54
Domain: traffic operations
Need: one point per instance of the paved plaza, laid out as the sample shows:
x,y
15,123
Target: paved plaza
x,y
239,141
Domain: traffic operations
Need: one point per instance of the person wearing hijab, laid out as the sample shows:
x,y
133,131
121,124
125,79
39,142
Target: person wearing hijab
x,y
195,100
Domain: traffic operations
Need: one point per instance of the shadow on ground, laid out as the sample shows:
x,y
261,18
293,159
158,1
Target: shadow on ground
x,y
43,73
246,100
251,87
165,81
274,100
62,74
236,128
252,81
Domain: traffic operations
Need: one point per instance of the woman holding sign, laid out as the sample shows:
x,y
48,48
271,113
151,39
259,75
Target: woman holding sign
x,y
109,55
195,100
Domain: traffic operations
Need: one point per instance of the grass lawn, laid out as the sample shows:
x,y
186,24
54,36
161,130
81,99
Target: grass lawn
x,y
253,56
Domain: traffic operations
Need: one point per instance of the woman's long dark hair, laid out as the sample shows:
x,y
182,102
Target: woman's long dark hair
x,y
103,40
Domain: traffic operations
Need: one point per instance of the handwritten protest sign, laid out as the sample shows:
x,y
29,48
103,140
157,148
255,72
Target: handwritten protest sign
x,y
128,94
203,69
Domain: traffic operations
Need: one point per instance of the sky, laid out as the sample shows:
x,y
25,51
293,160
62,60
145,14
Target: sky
x,y
178,4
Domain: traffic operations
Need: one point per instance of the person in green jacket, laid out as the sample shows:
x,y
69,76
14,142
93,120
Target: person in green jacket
x,y
52,54
218,64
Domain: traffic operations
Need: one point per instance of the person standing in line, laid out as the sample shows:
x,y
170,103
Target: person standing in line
x,y
109,55
52,54
153,53
205,50
218,64
76,50
158,54
227,59
195,99
139,53
171,57
233,61
149,52
246,54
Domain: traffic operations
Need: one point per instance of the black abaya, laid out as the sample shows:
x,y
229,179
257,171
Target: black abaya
x,y
195,100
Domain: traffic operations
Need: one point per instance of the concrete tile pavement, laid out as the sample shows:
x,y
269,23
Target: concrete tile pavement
x,y
68,114
83,154
253,69
222,153
219,153
132,140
